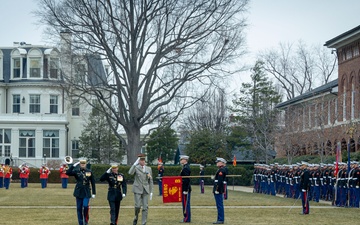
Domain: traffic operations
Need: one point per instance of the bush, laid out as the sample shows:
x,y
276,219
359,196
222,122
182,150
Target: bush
x,y
246,173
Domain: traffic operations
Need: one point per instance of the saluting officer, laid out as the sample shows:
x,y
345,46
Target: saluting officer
x,y
142,187
219,189
116,191
82,191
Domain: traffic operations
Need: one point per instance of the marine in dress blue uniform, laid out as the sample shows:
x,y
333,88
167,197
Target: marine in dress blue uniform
x,y
116,191
304,185
82,192
219,189
201,180
186,189
161,171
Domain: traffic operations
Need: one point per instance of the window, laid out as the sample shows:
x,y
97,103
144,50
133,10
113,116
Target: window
x,y
1,65
329,112
16,67
75,148
344,104
16,103
309,115
352,101
75,107
51,143
5,142
35,67
80,73
34,104
336,110
27,143
356,50
316,115
348,53
53,104
54,68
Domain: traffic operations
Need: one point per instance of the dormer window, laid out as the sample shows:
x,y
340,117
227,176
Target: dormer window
x,y
17,56
52,63
54,68
16,67
34,63
1,66
35,67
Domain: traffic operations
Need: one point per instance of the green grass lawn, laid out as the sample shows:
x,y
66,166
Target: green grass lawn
x,y
56,206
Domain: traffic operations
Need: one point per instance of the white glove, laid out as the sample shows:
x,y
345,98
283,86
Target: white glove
x,y
151,196
303,190
92,196
185,192
216,192
137,161
75,164
109,170
124,195
212,177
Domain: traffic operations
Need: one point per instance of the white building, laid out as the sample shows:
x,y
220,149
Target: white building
x,y
38,122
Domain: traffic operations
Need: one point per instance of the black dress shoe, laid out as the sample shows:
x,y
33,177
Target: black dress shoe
x,y
218,222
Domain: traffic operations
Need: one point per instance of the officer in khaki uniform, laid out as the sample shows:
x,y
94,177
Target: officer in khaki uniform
x,y
142,187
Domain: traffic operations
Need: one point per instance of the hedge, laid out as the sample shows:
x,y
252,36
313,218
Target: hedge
x,y
246,173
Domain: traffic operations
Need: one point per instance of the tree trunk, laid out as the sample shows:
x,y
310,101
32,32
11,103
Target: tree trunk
x,y
134,144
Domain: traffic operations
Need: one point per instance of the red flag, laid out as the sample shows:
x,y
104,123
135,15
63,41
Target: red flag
x,y
172,189
234,160
338,157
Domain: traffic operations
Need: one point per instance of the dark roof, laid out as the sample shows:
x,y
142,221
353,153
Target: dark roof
x,y
322,89
332,43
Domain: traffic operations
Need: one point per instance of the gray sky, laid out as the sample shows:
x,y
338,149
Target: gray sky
x,y
270,22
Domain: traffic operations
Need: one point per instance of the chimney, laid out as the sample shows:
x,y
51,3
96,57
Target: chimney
x,y
65,42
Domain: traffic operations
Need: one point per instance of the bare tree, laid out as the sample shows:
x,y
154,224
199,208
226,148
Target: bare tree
x,y
299,69
210,113
158,51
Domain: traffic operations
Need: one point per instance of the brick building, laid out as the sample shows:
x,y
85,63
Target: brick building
x,y
316,121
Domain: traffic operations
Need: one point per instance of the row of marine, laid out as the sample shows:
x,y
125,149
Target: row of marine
x,y
335,182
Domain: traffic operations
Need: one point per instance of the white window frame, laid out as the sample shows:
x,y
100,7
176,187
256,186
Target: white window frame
x,y
1,65
35,61
54,103
34,103
16,103
25,138
75,107
54,65
51,143
5,143
19,60
75,148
